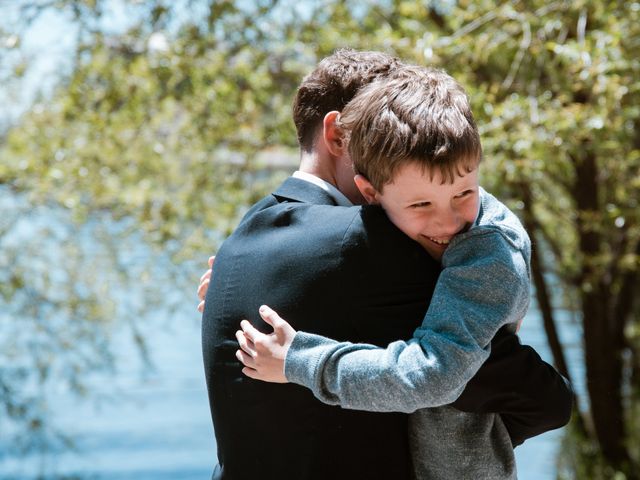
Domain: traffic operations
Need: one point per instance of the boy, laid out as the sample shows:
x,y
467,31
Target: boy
x,y
416,150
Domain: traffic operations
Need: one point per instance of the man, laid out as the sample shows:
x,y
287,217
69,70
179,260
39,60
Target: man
x,y
346,273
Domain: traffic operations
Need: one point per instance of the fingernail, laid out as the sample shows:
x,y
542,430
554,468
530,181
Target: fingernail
x,y
263,308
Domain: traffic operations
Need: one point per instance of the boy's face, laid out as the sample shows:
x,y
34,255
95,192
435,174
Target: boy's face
x,y
426,209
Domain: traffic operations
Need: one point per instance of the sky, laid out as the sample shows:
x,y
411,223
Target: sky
x,y
46,46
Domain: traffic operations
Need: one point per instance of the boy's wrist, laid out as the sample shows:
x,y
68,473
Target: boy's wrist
x,y
303,358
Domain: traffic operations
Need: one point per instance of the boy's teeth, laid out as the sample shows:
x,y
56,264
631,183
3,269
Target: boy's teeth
x,y
440,242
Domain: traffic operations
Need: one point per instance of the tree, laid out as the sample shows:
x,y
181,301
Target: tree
x,y
556,88
163,123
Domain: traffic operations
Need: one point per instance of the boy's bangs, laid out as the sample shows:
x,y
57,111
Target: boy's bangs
x,y
451,160
450,170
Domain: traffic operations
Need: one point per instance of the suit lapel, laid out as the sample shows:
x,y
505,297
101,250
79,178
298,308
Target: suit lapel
x,y
298,190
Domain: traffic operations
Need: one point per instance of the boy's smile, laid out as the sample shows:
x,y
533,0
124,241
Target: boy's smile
x,y
426,208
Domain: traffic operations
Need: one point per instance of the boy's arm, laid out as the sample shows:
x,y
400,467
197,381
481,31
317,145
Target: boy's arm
x,y
528,393
485,287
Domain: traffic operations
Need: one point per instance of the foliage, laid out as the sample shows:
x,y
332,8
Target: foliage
x,y
157,126
164,122
559,110
43,309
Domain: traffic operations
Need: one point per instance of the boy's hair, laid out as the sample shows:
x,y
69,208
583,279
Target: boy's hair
x,y
333,84
418,114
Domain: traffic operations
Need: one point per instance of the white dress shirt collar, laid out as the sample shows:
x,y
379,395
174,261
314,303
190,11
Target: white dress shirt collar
x,y
336,194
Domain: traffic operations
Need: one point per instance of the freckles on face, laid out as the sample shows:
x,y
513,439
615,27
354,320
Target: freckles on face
x,y
429,211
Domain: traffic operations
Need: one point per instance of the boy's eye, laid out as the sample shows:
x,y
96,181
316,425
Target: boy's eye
x,y
420,204
464,194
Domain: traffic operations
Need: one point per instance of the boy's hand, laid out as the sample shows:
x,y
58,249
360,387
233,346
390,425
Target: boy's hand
x,y
263,354
519,324
204,284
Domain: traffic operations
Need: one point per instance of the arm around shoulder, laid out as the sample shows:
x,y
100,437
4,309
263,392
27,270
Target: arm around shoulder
x,y
528,393
476,294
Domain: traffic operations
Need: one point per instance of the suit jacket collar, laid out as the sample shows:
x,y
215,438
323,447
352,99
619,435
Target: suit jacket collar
x,y
297,190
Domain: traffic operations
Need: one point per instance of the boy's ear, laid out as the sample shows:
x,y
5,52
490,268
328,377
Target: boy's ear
x,y
367,190
333,135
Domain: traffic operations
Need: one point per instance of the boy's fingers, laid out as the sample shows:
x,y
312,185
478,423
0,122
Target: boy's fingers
x,y
246,360
246,345
251,373
281,328
201,306
202,289
205,275
271,317
212,259
250,331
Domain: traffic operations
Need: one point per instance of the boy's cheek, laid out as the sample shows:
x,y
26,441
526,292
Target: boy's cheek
x,y
415,234
403,223
435,252
408,230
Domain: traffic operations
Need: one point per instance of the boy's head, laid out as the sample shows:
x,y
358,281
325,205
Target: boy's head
x,y
416,148
416,114
333,83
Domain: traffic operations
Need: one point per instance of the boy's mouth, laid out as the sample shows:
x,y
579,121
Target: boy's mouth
x,y
439,242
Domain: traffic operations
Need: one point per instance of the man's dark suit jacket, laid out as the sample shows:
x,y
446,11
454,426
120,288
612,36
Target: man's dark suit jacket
x,y
343,272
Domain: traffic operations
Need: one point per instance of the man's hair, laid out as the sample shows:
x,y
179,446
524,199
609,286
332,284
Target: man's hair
x,y
332,85
418,114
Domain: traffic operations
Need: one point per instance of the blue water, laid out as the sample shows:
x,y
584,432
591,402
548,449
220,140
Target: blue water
x,y
144,426
536,458
158,425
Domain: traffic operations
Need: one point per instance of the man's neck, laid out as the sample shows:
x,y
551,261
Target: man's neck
x,y
311,162
333,192
323,165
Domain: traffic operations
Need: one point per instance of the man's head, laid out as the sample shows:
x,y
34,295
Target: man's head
x,y
318,102
415,147
332,84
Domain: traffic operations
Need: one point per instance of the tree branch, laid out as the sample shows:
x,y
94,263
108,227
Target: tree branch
x,y
517,59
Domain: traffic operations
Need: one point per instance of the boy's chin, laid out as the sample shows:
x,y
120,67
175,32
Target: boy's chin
x,y
433,249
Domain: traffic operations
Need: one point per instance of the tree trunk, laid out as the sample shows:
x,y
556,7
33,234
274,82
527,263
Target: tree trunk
x,y
603,344
544,302
604,379
542,292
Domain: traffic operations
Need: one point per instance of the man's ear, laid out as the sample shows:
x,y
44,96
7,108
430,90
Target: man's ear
x,y
367,190
333,135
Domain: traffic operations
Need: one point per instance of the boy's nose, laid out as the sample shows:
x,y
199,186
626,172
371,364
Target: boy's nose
x,y
447,225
